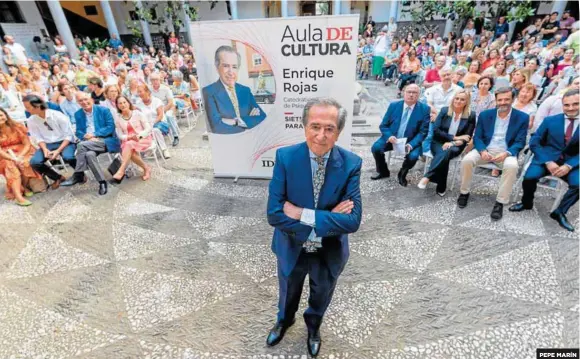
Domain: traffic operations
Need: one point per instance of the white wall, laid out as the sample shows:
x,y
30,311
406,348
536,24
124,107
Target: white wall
x,y
250,10
31,13
219,12
379,10
293,8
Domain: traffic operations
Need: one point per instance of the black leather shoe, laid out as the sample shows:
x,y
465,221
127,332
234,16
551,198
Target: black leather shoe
x,y
402,176
462,200
379,175
103,188
175,141
74,179
277,333
518,207
314,343
562,221
497,211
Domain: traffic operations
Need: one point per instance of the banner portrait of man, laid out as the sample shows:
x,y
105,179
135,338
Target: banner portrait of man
x,y
230,106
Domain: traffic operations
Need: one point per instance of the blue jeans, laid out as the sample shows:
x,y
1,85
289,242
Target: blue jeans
x,y
37,162
427,141
388,71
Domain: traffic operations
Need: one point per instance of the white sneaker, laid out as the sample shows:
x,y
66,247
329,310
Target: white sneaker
x,y
442,194
422,184
166,154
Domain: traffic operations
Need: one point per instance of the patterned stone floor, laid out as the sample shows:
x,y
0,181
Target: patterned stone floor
x,y
181,267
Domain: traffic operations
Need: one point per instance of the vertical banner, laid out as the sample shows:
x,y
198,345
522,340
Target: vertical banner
x,y
257,75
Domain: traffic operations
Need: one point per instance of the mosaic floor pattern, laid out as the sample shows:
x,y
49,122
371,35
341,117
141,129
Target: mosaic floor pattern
x,y
180,267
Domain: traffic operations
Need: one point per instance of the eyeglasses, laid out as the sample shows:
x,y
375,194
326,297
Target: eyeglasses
x,y
47,126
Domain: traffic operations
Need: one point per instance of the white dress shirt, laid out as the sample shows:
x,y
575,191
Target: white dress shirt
x,y
455,121
498,141
60,127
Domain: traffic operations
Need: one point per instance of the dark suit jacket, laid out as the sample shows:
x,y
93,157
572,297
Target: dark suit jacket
x,y
292,181
516,133
548,143
104,127
417,127
443,122
218,105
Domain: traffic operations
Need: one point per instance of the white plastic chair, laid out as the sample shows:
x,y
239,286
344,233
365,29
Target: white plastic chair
x,y
560,189
456,161
153,149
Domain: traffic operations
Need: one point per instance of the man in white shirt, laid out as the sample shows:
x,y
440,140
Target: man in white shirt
x,y
438,97
163,92
17,50
552,105
499,137
53,133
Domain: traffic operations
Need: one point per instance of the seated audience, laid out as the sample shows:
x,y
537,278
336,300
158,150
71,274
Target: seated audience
x,y
452,132
52,131
134,130
152,108
15,154
95,128
163,92
499,137
555,149
405,123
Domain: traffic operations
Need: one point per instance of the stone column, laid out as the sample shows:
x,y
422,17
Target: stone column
x,y
559,6
109,18
234,9
336,7
394,11
62,27
186,22
144,26
284,8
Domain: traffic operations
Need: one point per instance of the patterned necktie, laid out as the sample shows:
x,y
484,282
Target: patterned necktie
x,y
234,98
403,124
569,131
317,182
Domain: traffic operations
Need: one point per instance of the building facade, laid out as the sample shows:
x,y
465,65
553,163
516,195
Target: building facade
x,y
25,19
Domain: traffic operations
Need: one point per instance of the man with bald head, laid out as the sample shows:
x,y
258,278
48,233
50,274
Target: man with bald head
x,y
17,50
405,123
95,128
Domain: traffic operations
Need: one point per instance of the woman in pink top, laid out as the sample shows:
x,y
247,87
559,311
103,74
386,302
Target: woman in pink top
x,y
135,133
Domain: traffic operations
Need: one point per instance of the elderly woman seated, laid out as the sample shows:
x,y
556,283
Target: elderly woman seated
x,y
180,90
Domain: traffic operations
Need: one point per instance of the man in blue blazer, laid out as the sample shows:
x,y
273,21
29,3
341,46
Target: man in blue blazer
x,y
407,119
499,137
555,148
230,107
314,203
95,128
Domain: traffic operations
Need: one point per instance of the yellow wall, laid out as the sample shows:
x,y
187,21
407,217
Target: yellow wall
x,y
78,7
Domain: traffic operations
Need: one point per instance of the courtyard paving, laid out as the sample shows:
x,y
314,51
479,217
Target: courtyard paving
x,y
181,267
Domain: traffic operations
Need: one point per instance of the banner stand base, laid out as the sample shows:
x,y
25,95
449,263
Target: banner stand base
x,y
236,179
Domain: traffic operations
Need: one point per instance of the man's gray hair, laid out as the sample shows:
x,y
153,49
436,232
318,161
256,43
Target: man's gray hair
x,y
177,74
225,48
325,101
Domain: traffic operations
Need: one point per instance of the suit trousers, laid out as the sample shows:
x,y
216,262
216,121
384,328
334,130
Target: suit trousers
x,y
381,146
322,285
87,152
38,161
439,168
530,184
509,176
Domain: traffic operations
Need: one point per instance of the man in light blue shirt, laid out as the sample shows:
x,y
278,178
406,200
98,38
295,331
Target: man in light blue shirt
x,y
69,105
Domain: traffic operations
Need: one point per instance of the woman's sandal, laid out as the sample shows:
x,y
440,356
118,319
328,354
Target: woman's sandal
x,y
26,203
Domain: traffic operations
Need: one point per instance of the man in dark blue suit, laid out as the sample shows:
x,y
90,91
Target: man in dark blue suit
x,y
555,148
230,107
314,203
499,137
95,128
404,119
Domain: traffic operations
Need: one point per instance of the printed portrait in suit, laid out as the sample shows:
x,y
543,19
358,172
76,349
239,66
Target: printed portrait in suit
x,y
230,106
